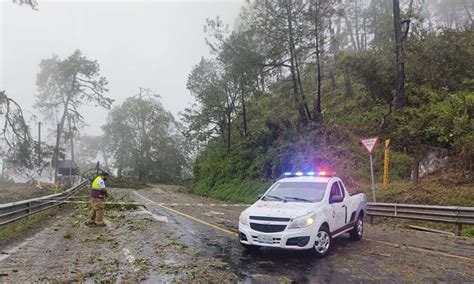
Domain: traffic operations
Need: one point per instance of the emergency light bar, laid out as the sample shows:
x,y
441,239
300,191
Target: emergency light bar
x,y
322,173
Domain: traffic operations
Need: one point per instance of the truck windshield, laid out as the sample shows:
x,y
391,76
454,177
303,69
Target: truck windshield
x,y
296,192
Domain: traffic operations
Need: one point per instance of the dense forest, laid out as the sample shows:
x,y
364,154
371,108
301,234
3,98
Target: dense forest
x,y
296,84
293,85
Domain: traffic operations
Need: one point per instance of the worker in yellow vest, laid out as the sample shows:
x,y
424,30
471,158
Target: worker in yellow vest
x,y
98,194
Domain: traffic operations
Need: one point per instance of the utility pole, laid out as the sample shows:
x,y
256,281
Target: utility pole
x,y
39,142
56,154
400,73
144,138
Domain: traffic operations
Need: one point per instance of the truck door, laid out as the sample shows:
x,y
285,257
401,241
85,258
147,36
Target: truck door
x,y
337,214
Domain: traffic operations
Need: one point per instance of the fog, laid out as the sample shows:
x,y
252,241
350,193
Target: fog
x,y
150,44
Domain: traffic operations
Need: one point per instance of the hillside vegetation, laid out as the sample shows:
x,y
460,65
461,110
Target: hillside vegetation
x,y
295,87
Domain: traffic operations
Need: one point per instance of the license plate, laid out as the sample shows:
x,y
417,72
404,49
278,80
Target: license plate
x,y
265,239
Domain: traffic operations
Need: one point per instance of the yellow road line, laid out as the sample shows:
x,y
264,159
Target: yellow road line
x,y
370,240
423,250
200,221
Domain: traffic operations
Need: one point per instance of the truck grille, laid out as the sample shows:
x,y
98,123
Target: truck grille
x,y
267,228
264,218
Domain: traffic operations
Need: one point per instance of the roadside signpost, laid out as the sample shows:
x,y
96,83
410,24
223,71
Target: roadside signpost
x,y
386,161
369,144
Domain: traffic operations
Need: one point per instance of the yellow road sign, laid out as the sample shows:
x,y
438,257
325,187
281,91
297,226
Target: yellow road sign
x,y
386,163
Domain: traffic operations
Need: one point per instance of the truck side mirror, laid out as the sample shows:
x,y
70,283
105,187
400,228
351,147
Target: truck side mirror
x,y
259,196
336,199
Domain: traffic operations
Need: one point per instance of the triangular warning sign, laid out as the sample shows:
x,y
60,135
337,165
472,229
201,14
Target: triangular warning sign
x,y
369,143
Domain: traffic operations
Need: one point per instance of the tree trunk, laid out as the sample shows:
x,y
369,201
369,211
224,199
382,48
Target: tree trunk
x,y
349,30
244,111
468,13
120,164
364,46
229,125
375,26
317,106
63,119
318,34
347,84
332,51
105,158
415,170
337,46
356,20
303,97
301,108
400,65
71,138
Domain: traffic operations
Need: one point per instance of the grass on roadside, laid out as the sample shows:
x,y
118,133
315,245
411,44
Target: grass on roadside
x,y
20,227
236,190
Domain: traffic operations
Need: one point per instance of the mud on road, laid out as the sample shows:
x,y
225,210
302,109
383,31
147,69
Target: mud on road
x,y
154,244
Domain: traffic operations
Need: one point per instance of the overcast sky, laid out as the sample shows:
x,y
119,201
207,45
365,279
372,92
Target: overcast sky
x,y
151,44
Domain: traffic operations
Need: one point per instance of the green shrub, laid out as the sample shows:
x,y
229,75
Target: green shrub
x,y
400,165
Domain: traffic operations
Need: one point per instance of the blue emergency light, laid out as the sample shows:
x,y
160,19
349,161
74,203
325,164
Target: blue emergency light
x,y
322,173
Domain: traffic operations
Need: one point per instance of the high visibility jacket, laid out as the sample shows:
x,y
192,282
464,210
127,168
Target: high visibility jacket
x,y
98,183
98,188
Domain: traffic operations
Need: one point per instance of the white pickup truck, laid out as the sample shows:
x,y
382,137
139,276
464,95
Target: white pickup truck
x,y
303,211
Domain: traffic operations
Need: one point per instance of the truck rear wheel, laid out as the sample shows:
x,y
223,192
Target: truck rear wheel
x,y
322,243
358,231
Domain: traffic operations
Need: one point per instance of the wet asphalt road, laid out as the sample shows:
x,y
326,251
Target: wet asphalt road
x,y
260,266
349,262
157,245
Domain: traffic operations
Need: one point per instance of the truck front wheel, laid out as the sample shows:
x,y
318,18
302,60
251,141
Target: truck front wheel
x,y
322,243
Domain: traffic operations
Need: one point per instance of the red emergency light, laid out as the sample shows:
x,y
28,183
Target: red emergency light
x,y
325,173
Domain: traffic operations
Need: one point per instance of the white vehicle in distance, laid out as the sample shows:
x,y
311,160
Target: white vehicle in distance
x,y
303,211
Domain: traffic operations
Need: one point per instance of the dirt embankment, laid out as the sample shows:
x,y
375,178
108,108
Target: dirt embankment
x,y
10,192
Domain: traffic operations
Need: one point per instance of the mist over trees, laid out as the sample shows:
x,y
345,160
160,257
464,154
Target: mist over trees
x,y
294,84
145,140
64,86
323,74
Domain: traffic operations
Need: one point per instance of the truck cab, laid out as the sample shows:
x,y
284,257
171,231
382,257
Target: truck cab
x,y
303,211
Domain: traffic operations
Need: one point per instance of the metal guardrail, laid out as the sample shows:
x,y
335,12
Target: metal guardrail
x,y
456,215
10,212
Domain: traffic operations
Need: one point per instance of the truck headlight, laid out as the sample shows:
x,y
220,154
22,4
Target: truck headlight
x,y
244,218
302,222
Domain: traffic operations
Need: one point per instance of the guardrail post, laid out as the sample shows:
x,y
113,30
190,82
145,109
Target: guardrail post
x,y
458,229
29,207
371,220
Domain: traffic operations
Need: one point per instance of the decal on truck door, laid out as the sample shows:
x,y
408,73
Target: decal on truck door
x,y
338,208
